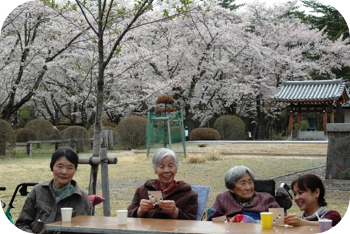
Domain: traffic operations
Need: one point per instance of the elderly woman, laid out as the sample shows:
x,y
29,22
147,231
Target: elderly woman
x,y
240,198
45,200
178,201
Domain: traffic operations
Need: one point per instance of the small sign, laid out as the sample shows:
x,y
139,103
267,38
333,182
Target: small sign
x,y
155,197
277,216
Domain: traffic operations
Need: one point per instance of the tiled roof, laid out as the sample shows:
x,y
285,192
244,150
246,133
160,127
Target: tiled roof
x,y
310,91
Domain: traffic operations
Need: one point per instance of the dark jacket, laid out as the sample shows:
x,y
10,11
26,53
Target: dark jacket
x,y
183,195
40,207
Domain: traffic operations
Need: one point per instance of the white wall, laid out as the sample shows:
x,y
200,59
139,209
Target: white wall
x,y
346,115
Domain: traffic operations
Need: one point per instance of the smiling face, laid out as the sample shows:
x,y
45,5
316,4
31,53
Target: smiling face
x,y
63,172
244,187
306,200
166,171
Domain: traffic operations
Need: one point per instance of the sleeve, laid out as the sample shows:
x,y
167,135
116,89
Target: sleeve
x,y
334,216
28,213
190,210
132,209
85,206
270,201
218,204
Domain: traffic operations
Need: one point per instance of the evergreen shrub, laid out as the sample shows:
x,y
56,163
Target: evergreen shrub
x,y
132,132
204,134
107,123
230,127
62,127
76,137
25,134
7,139
43,129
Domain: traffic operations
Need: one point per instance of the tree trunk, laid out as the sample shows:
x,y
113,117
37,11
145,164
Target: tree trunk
x,y
99,105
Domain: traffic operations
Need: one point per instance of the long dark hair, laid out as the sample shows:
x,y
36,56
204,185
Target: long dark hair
x,y
311,182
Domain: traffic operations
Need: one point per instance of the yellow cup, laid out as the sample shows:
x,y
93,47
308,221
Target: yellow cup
x,y
266,219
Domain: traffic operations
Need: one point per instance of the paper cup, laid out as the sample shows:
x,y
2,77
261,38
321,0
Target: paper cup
x,y
325,224
266,219
66,214
122,217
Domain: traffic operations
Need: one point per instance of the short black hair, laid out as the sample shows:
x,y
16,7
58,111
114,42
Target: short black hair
x,y
67,152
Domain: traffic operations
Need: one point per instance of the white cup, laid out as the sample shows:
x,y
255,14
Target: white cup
x,y
66,214
122,216
325,224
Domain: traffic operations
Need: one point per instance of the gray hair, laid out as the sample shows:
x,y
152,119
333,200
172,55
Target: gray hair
x,y
234,174
161,153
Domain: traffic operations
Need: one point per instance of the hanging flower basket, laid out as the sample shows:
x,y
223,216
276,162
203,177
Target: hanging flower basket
x,y
166,99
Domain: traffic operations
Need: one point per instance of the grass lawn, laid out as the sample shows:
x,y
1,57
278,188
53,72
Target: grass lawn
x,y
132,170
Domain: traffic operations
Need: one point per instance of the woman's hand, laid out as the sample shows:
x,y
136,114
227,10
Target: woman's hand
x,y
145,206
169,207
294,220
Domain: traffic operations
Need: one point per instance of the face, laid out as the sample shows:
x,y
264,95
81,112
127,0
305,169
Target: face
x,y
306,200
244,187
166,171
63,172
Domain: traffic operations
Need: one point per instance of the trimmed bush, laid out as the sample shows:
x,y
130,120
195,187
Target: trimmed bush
x,y
62,127
107,123
77,136
25,134
204,134
230,127
43,129
132,132
7,139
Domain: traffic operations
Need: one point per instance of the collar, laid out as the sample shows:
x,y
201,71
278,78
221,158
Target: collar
x,y
321,211
169,190
242,202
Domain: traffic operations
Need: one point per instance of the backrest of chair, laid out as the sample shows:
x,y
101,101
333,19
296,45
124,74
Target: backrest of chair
x,y
203,195
267,186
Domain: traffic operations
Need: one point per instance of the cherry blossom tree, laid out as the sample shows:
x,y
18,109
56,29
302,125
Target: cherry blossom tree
x,y
110,22
31,41
214,62
296,52
233,62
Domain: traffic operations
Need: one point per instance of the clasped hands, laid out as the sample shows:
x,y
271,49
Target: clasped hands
x,y
168,206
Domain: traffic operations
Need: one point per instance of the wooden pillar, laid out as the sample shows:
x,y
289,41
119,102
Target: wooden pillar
x,y
290,125
324,121
105,182
332,115
299,120
104,161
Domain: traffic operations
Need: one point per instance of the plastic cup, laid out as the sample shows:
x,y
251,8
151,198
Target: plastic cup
x,y
325,224
66,214
266,219
122,216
